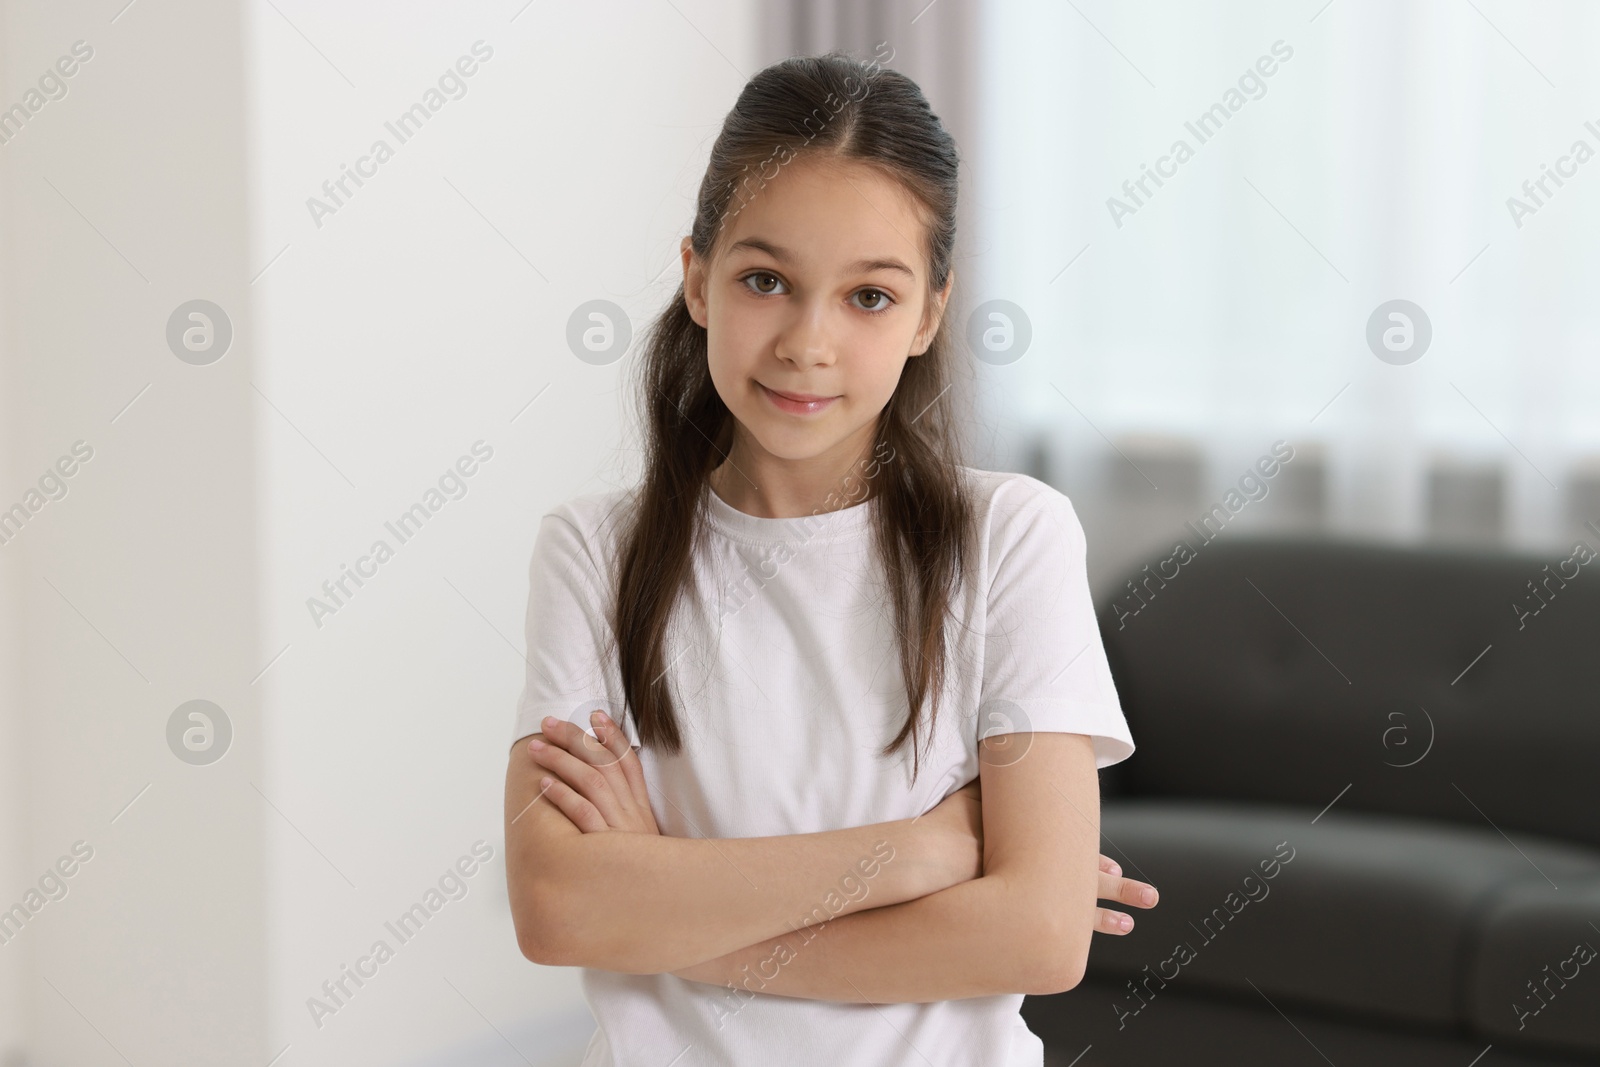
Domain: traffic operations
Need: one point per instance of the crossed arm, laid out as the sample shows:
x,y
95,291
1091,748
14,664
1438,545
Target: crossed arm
x,y
977,897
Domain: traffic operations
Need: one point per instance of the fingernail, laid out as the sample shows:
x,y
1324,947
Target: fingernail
x,y
596,717
1147,895
1116,872
549,721
536,744
1124,923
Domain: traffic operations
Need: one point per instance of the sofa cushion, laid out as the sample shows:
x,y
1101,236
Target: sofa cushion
x,y
1283,670
1343,909
1222,1030
1535,974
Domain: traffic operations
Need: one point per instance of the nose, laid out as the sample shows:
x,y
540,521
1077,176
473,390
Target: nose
x,y
807,341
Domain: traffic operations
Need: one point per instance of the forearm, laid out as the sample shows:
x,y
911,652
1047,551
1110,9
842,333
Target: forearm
x,y
645,904
963,941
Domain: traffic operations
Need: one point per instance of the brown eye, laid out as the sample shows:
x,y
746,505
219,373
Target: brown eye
x,y
881,301
762,274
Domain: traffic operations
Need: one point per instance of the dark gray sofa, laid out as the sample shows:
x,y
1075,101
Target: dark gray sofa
x,y
1368,788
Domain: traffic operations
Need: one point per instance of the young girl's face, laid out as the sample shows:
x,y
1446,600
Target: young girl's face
x,y
820,290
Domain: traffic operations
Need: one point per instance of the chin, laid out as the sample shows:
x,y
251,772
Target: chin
x,y
794,447
787,441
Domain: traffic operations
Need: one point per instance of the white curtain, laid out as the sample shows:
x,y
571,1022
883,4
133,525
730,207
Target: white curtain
x,y
1230,308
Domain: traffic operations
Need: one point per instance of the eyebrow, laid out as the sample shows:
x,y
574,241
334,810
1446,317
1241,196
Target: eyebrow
x,y
783,255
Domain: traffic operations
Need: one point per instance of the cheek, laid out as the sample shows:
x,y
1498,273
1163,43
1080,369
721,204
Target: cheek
x,y
724,359
725,379
733,342
878,375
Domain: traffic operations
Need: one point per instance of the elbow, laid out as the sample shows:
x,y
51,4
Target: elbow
x,y
540,925
1058,961
538,948
535,942
551,940
533,949
552,931
1055,977
539,952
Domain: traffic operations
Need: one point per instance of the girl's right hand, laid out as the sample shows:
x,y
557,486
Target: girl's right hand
x,y
597,785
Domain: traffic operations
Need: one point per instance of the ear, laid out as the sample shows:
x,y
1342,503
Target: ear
x,y
933,316
694,281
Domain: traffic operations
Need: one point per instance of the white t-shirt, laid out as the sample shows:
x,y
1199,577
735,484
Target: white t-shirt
x,y
785,673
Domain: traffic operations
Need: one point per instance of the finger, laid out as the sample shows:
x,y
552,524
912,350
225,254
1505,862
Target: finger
x,y
1139,894
1112,922
616,740
579,811
612,738
578,776
1128,891
1109,865
576,740
593,751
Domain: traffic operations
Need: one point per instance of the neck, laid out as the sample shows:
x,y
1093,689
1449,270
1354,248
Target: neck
x,y
770,487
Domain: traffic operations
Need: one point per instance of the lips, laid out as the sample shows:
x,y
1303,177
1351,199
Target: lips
x,y
801,398
797,403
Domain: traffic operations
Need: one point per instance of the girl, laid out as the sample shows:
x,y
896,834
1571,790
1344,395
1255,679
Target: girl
x,y
816,708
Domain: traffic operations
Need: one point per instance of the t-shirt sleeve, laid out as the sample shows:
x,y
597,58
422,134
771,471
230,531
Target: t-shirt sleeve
x,y
1044,667
571,653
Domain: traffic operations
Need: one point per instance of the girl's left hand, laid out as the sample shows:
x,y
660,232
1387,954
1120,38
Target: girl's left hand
x,y
599,786
1124,890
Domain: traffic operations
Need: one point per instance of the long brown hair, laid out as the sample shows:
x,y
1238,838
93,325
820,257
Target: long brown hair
x,y
840,107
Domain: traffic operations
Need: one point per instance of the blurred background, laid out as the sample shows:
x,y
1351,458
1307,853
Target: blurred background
x,y
241,343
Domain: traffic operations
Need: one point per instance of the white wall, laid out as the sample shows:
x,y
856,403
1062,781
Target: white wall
x,y
137,590
369,353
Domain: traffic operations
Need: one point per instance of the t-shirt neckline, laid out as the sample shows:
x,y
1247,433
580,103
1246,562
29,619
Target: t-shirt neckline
x,y
824,526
